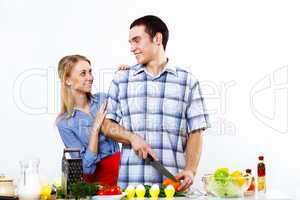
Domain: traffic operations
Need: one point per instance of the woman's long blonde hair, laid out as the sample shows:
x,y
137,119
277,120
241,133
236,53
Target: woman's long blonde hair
x,y
65,66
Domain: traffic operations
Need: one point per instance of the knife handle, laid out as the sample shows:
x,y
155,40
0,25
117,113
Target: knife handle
x,y
150,157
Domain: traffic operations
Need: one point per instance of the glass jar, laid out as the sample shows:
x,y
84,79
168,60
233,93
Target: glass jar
x,y
29,183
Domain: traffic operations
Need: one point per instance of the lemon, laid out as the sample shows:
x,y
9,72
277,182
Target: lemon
x,y
241,181
46,192
238,178
236,173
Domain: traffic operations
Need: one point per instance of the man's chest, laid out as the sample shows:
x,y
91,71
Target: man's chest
x,y
153,98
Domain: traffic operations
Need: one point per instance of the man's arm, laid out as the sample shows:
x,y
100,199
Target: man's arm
x,y
198,121
118,133
193,150
193,154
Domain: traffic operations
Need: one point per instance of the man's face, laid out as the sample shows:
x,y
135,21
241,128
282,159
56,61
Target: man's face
x,y
142,46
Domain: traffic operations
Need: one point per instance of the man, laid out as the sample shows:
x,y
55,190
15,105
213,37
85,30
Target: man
x,y
161,110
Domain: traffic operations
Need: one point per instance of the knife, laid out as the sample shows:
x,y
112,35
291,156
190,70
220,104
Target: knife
x,y
8,198
160,168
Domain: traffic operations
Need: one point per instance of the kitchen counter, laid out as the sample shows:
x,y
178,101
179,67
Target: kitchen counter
x,y
271,195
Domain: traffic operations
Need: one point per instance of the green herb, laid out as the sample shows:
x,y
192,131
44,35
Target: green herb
x,y
83,190
59,193
179,194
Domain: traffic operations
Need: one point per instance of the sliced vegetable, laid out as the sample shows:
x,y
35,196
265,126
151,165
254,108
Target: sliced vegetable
x,y
109,190
175,184
140,191
150,192
130,192
154,191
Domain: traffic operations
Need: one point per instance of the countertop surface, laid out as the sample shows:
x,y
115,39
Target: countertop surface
x,y
271,195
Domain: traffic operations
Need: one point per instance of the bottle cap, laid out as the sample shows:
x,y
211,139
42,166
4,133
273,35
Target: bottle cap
x,y
261,157
248,171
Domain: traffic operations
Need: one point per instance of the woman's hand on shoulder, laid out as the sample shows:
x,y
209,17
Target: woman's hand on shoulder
x,y
123,67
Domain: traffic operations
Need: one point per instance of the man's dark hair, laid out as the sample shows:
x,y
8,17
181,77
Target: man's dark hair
x,y
153,25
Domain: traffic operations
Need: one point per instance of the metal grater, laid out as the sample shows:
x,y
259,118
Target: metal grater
x,y
72,171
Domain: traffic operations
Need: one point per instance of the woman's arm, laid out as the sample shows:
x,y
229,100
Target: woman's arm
x,y
70,140
94,136
90,153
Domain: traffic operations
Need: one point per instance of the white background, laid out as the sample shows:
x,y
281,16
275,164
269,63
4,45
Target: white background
x,y
245,53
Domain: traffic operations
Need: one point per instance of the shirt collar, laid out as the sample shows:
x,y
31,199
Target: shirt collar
x,y
171,68
93,100
138,69
73,112
168,68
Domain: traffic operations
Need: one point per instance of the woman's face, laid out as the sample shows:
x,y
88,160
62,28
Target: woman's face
x,y
81,77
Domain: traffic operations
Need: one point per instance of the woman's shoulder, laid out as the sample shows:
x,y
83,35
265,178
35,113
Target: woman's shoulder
x,y
61,121
64,121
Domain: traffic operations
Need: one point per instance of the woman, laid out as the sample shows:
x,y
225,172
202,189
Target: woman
x,y
80,119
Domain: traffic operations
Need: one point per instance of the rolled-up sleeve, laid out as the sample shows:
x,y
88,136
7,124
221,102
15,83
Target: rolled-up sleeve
x,y
113,106
196,113
71,141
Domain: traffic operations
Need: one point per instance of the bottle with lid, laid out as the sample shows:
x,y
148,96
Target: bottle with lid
x,y
251,189
261,175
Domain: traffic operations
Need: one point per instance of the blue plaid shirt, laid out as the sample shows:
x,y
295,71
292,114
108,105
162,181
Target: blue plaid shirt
x,y
163,110
75,133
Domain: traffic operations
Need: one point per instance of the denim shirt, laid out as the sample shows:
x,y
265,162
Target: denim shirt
x,y
75,133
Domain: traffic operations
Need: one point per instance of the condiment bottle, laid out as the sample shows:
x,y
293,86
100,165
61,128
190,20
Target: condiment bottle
x,y
261,175
251,189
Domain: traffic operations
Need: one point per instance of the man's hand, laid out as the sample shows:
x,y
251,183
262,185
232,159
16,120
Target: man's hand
x,y
186,178
141,147
192,155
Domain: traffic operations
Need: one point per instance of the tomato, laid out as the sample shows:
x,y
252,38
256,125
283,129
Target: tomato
x,y
116,190
107,192
110,190
100,192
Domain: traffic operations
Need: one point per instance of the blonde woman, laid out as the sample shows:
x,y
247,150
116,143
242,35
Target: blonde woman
x,y
80,120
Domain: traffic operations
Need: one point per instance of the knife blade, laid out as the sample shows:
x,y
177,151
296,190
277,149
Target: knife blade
x,y
160,168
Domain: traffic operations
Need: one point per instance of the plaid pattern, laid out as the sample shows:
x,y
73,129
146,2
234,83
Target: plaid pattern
x,y
163,110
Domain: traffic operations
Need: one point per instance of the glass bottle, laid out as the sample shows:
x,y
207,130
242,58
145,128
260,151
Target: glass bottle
x,y
251,189
261,175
